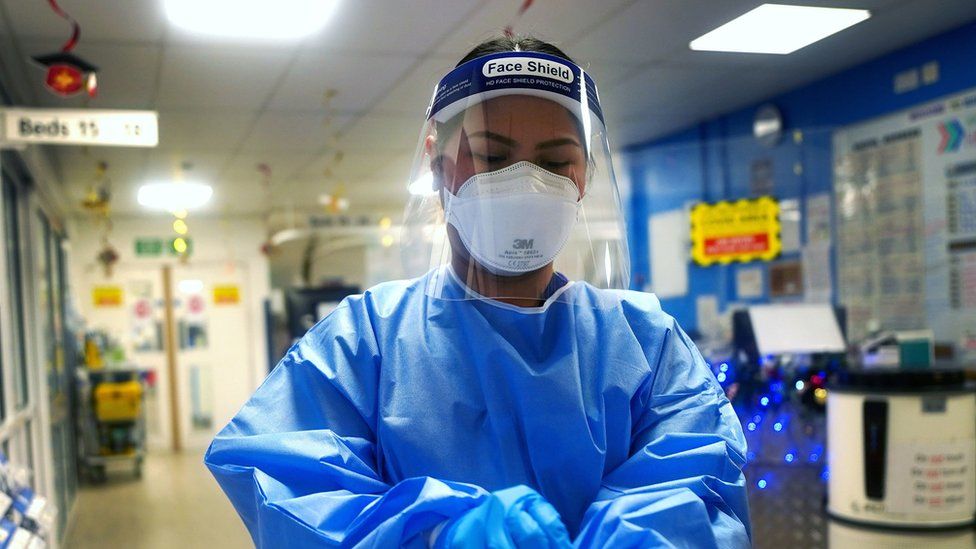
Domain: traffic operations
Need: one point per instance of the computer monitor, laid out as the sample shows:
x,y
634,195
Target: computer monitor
x,y
778,329
306,306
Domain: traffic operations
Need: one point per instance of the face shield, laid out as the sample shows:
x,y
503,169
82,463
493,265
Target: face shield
x,y
513,195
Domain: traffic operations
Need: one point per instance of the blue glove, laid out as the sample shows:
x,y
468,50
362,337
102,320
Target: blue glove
x,y
516,517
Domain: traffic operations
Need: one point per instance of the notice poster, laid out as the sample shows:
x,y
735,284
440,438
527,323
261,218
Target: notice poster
x,y
107,296
905,199
744,230
818,220
961,234
749,283
668,235
817,286
226,294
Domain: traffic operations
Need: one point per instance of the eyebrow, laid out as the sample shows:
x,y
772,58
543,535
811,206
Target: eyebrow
x,y
557,143
495,137
511,142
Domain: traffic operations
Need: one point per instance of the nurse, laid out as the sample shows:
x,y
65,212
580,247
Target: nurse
x,y
514,394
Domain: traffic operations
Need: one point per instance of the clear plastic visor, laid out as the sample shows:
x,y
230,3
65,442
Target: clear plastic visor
x,y
513,199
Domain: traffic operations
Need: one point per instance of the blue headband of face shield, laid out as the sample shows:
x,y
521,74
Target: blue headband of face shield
x,y
512,73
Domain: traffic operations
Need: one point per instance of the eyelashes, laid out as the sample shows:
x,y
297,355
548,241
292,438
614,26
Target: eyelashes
x,y
550,165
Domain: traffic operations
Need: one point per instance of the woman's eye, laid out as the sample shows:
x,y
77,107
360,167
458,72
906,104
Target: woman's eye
x,y
555,165
490,158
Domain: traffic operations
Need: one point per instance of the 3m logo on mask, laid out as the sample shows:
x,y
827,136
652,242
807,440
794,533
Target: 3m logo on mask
x,y
523,244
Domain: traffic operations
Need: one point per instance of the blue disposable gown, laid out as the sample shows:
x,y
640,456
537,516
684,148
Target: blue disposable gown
x,y
399,411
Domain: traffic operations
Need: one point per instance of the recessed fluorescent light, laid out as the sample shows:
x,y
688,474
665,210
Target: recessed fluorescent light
x,y
258,19
423,186
173,197
777,28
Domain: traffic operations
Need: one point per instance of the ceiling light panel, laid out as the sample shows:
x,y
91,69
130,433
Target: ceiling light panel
x,y
251,19
778,29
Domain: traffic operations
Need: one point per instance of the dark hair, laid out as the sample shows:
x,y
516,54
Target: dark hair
x,y
503,44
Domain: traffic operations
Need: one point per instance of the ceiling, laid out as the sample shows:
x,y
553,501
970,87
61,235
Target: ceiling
x,y
226,106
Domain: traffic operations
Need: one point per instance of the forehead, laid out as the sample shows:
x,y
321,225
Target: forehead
x,y
520,113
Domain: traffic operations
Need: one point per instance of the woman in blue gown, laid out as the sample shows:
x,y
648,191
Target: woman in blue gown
x,y
496,401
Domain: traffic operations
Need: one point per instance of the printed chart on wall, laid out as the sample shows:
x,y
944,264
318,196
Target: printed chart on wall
x,y
905,187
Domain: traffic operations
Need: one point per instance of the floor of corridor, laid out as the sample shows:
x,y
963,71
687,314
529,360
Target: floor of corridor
x,y
175,504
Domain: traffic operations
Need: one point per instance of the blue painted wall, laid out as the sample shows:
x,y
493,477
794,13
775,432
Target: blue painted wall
x,y
713,160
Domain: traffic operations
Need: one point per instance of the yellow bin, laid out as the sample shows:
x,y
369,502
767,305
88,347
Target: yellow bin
x,y
118,401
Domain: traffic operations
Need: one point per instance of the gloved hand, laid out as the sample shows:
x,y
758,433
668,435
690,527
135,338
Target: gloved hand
x,y
516,517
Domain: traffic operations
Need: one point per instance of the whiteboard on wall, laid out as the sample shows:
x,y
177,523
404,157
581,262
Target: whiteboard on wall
x,y
668,237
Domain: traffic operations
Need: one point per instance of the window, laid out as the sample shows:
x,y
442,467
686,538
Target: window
x,y
12,219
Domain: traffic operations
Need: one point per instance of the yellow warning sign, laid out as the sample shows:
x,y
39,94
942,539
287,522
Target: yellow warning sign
x,y
744,230
107,296
227,294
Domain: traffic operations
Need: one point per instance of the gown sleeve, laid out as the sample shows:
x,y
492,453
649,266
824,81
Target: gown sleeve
x,y
682,485
299,461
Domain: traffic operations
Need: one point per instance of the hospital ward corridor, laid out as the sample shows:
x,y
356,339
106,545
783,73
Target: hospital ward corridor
x,y
175,504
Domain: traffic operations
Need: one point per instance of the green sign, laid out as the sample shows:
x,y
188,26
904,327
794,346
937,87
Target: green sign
x,y
149,247
154,247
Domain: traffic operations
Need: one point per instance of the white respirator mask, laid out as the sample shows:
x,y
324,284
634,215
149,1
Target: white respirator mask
x,y
514,220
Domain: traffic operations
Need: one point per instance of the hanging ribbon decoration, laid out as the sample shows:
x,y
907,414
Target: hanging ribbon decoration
x,y
68,74
521,11
265,170
75,27
99,196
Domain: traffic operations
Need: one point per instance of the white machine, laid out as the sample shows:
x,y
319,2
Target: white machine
x,y
842,535
901,448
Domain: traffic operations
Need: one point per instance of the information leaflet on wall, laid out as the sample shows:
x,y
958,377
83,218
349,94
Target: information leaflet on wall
x,y
79,127
668,235
749,283
817,285
818,220
880,249
905,191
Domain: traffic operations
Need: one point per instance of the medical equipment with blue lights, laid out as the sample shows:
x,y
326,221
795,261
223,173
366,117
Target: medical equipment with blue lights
x,y
775,374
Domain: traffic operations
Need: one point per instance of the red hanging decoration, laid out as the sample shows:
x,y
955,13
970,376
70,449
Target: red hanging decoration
x,y
75,27
68,74
521,11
